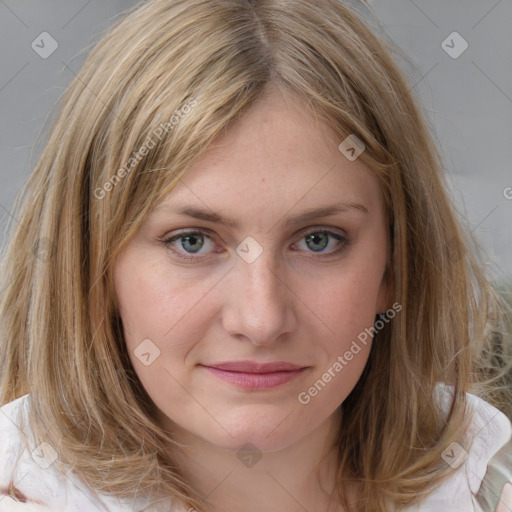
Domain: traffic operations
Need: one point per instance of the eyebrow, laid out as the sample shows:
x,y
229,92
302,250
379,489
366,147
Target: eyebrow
x,y
305,216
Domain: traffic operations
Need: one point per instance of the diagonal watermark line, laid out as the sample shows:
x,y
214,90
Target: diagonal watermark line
x,y
200,404
197,302
416,83
483,220
89,89
309,309
15,485
73,17
7,283
424,14
205,498
15,424
286,491
14,14
217,486
281,422
478,433
485,425
301,198
11,215
492,81
183,183
102,509
324,456
485,15
13,77
498,500
286,213
423,76
35,255
471,410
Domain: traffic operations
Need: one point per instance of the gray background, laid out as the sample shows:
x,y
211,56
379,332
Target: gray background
x,y
467,100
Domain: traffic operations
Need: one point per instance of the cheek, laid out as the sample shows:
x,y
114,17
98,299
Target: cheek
x,y
140,304
347,308
348,305
152,303
348,311
164,316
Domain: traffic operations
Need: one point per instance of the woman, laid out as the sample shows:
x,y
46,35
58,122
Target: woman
x,y
238,282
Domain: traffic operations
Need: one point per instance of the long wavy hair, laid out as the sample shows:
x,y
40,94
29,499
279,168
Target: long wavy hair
x,y
162,83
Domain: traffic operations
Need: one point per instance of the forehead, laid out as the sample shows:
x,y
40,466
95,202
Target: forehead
x,y
279,156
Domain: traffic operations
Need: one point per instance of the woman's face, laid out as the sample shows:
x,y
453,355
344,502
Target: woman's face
x,y
206,299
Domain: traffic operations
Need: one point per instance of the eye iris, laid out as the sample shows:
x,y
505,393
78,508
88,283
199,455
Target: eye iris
x,y
193,240
315,237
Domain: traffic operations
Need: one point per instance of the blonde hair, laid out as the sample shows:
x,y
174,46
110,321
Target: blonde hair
x,y
177,73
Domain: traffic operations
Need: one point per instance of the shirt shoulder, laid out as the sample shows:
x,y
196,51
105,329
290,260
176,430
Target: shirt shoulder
x,y
487,440
30,480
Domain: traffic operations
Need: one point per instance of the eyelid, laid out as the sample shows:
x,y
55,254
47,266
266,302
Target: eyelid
x,y
300,232
342,238
176,235
340,234
323,227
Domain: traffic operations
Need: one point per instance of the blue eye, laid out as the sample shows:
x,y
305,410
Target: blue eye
x,y
317,240
189,243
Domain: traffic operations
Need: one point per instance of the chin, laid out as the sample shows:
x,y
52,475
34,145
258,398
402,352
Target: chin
x,y
267,432
250,441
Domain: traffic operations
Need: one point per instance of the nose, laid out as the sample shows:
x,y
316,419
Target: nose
x,y
259,304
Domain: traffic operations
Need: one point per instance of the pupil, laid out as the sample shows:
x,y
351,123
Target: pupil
x,y
193,239
315,238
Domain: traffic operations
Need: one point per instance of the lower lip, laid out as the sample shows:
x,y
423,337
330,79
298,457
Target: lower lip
x,y
256,381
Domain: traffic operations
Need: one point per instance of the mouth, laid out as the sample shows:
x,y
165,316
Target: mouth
x,y
256,376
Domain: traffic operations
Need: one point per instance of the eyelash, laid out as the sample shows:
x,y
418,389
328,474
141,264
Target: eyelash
x,y
344,242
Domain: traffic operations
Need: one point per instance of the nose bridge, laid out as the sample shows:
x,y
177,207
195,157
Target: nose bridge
x,y
258,263
260,280
260,276
260,303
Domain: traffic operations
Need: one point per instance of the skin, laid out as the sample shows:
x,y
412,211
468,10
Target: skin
x,y
296,302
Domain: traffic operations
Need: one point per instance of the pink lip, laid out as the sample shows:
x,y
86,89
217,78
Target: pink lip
x,y
255,376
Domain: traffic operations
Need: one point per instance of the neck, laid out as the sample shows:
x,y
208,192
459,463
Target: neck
x,y
301,476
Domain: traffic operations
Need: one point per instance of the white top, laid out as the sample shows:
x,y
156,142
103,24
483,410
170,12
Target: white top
x,y
40,488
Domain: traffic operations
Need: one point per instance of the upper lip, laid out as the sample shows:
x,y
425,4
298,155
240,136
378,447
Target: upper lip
x,y
254,367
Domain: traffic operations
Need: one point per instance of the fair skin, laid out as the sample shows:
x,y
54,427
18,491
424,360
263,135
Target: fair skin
x,y
297,302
